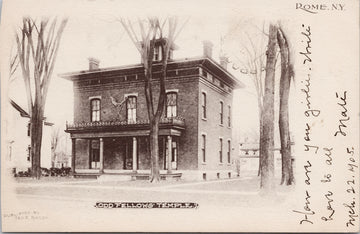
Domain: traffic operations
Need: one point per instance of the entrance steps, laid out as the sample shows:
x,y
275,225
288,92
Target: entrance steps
x,y
87,175
125,176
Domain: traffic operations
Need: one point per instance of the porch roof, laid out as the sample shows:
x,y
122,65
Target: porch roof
x,y
168,126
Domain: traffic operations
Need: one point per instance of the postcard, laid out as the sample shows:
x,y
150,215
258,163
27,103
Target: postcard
x,y
179,116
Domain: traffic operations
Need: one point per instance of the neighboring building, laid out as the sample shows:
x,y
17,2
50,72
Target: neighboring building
x,y
62,160
111,126
18,139
61,148
249,158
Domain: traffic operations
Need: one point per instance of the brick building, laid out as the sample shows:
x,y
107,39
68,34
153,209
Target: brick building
x,y
111,127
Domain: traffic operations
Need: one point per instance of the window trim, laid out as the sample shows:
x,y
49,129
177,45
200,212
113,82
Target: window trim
x,y
172,91
130,94
95,97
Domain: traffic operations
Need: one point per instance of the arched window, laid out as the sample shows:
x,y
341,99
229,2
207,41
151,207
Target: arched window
x,y
203,105
95,110
171,104
131,104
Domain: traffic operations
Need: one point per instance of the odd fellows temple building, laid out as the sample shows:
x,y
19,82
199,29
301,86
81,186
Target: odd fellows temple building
x,y
110,133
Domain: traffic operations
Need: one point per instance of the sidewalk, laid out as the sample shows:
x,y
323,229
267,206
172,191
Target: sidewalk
x,y
236,186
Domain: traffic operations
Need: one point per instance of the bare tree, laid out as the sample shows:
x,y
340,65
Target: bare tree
x,y
255,67
13,64
37,47
287,73
267,134
252,62
152,32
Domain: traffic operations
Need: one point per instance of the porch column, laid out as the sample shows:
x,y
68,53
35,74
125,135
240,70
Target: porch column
x,y
101,166
73,154
169,139
134,155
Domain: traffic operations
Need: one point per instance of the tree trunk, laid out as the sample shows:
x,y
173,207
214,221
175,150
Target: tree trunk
x,y
260,131
36,128
267,137
154,151
287,175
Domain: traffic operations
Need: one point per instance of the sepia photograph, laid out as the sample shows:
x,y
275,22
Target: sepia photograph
x,y
169,116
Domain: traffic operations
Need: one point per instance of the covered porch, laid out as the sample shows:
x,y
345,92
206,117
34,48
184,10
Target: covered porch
x,y
124,152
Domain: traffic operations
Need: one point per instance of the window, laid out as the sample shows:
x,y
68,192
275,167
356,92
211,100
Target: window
x,y
171,104
221,112
95,110
229,116
131,109
221,150
229,151
203,147
28,158
156,53
28,129
203,105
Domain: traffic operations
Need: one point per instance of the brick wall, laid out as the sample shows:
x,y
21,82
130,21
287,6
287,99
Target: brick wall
x,y
82,154
189,83
186,88
212,128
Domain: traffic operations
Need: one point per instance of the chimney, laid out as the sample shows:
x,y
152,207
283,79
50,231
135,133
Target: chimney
x,y
207,49
223,62
93,64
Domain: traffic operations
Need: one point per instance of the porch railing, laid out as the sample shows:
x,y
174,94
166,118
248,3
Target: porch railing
x,y
175,121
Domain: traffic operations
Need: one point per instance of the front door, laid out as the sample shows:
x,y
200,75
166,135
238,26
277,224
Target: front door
x,y
94,154
128,154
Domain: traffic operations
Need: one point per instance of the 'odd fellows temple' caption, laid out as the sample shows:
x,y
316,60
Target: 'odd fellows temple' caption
x,y
147,205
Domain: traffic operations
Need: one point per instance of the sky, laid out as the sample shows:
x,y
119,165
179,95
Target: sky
x,y
100,35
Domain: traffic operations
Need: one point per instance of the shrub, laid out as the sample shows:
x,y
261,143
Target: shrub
x,y
65,171
23,173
